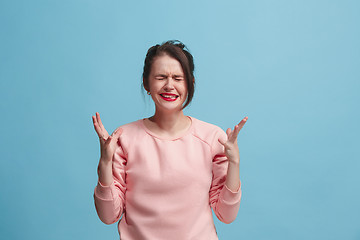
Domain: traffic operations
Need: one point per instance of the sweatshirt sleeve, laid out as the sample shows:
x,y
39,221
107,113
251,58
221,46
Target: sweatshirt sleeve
x,y
223,201
110,200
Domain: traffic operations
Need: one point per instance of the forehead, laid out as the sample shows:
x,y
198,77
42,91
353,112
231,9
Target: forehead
x,y
166,64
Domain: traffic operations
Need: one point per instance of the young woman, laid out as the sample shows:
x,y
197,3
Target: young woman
x,y
163,174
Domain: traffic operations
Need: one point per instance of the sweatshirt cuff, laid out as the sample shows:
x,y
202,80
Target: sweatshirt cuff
x,y
104,192
230,197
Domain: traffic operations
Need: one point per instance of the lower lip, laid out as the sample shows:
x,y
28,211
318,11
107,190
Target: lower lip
x,y
168,99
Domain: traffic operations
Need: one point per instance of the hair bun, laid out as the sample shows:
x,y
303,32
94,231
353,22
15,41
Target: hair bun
x,y
177,43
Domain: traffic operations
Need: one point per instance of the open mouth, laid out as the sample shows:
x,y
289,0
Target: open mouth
x,y
169,97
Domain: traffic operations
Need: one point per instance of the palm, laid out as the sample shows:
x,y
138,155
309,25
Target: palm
x,y
107,142
231,145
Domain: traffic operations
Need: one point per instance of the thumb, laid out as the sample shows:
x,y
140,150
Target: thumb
x,y
118,133
114,137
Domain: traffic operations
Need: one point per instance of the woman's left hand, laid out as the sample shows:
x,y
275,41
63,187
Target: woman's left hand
x,y
231,145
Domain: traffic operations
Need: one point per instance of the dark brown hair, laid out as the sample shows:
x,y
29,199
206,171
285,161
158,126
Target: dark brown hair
x,y
179,51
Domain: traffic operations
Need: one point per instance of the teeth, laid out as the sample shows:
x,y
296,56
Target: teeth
x,y
168,96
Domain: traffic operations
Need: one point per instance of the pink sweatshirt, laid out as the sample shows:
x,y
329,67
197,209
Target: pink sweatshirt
x,y
165,188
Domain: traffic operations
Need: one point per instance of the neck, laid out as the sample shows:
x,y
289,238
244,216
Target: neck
x,y
169,122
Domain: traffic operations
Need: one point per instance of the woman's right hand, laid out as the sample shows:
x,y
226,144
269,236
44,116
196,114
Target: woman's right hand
x,y
108,143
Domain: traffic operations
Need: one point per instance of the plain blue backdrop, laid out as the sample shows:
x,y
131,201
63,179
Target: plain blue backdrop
x,y
291,66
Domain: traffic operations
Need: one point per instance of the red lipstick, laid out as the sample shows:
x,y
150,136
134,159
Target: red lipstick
x,y
170,97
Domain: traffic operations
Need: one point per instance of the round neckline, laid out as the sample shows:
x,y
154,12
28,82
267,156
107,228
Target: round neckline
x,y
148,131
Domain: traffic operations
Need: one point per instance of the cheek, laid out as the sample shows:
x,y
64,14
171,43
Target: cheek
x,y
184,89
154,86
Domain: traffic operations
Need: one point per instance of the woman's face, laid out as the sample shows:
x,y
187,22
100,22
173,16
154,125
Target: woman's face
x,y
167,83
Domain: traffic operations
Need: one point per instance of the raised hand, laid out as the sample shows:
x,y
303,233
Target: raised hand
x,y
108,142
231,145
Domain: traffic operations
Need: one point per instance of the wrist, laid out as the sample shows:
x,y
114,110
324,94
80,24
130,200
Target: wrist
x,y
104,166
105,172
234,161
105,161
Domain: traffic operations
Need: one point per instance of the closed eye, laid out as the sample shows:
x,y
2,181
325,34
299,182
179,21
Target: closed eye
x,y
160,77
175,77
178,78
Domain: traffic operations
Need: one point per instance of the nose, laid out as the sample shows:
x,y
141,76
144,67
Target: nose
x,y
169,84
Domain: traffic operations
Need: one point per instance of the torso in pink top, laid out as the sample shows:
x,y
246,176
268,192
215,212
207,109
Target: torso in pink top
x,y
165,188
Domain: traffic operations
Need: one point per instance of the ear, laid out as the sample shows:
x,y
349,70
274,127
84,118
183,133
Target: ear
x,y
145,86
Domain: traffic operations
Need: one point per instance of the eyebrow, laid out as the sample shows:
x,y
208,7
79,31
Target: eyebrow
x,y
160,75
164,75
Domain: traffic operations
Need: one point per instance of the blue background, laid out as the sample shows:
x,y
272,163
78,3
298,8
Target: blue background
x,y
292,67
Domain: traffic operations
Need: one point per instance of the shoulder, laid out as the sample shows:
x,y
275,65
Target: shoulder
x,y
132,126
207,132
131,132
132,129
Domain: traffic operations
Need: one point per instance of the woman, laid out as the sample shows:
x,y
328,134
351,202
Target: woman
x,y
163,174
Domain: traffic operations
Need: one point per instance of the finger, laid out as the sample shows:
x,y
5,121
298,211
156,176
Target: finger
x,y
233,136
99,121
117,133
228,132
102,136
237,129
97,127
103,130
242,123
113,138
108,140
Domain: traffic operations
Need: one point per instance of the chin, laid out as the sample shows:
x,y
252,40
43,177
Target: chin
x,y
169,108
